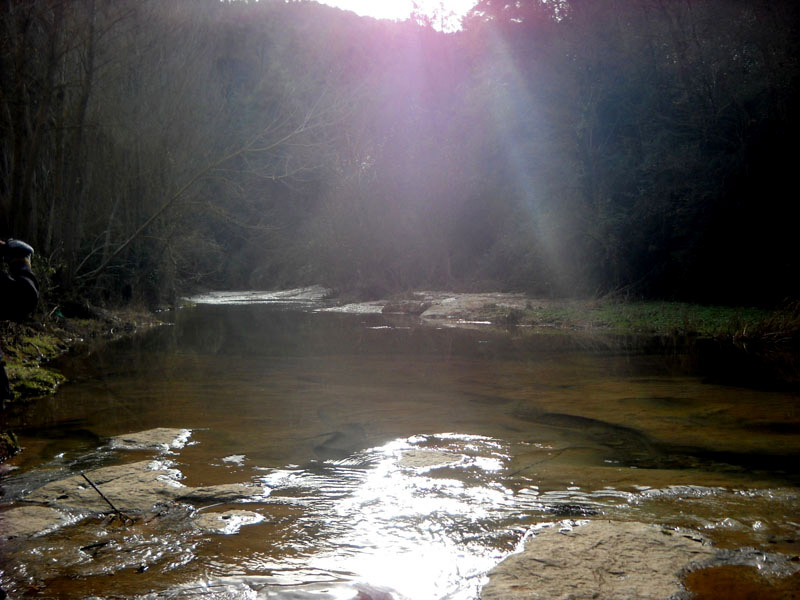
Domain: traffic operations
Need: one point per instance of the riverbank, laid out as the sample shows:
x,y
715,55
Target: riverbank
x,y
28,347
371,437
740,324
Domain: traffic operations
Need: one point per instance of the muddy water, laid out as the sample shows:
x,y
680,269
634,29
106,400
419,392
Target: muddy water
x,y
397,455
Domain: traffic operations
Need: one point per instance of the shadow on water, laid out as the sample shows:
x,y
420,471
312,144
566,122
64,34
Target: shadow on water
x,y
759,366
631,447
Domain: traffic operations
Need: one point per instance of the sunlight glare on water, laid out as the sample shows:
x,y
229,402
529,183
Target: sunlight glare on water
x,y
414,515
403,519
399,458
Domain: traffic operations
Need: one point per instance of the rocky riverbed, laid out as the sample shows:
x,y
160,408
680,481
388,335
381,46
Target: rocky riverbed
x,y
129,491
162,502
132,515
614,560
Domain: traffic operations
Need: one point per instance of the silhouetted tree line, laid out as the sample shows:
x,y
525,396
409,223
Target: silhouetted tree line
x,y
565,147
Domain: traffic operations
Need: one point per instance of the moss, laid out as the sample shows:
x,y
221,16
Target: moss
x,y
42,346
28,381
9,446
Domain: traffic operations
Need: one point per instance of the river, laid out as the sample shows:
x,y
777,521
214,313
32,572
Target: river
x,y
395,454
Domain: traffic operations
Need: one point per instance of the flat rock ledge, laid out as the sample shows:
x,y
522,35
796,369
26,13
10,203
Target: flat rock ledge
x,y
228,522
439,306
598,560
29,521
161,439
133,488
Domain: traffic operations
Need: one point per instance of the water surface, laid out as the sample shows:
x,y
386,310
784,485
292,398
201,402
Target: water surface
x,y
399,454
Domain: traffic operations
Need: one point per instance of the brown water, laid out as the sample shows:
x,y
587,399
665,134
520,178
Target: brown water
x,y
397,454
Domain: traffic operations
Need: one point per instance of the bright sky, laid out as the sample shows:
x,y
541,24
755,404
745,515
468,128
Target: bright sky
x,y
401,9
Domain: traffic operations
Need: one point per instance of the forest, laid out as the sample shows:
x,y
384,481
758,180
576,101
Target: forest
x,y
565,148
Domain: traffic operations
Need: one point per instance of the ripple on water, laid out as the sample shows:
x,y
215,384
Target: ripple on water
x,y
741,583
426,516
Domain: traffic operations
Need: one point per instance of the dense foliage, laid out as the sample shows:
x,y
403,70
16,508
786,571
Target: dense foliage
x,y
561,148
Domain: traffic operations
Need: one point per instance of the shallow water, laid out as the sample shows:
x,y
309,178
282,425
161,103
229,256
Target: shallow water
x,y
398,455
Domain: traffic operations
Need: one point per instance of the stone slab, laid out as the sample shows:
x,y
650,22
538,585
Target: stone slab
x,y
598,560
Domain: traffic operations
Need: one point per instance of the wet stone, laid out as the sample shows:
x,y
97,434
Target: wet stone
x,y
161,439
228,522
131,487
406,308
248,588
229,492
427,459
602,560
137,487
29,521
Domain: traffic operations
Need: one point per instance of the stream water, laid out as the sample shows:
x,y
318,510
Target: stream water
x,y
396,455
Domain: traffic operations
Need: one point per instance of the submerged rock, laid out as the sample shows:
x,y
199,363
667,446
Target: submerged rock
x,y
228,492
132,487
228,522
30,521
469,306
421,458
601,560
161,439
135,488
249,588
438,307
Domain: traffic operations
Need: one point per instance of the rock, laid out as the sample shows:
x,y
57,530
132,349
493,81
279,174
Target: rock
x,y
229,492
136,487
406,307
358,308
299,296
470,306
228,522
161,439
235,459
428,459
249,588
132,487
601,560
29,521
441,307
372,592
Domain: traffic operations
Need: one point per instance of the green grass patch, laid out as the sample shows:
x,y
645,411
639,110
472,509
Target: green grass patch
x,y
643,317
31,381
42,346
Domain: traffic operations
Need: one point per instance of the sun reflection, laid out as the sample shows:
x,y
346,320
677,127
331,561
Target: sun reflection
x,y
412,516
427,517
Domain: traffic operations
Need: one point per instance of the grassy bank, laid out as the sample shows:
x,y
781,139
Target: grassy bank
x,y
657,318
28,347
